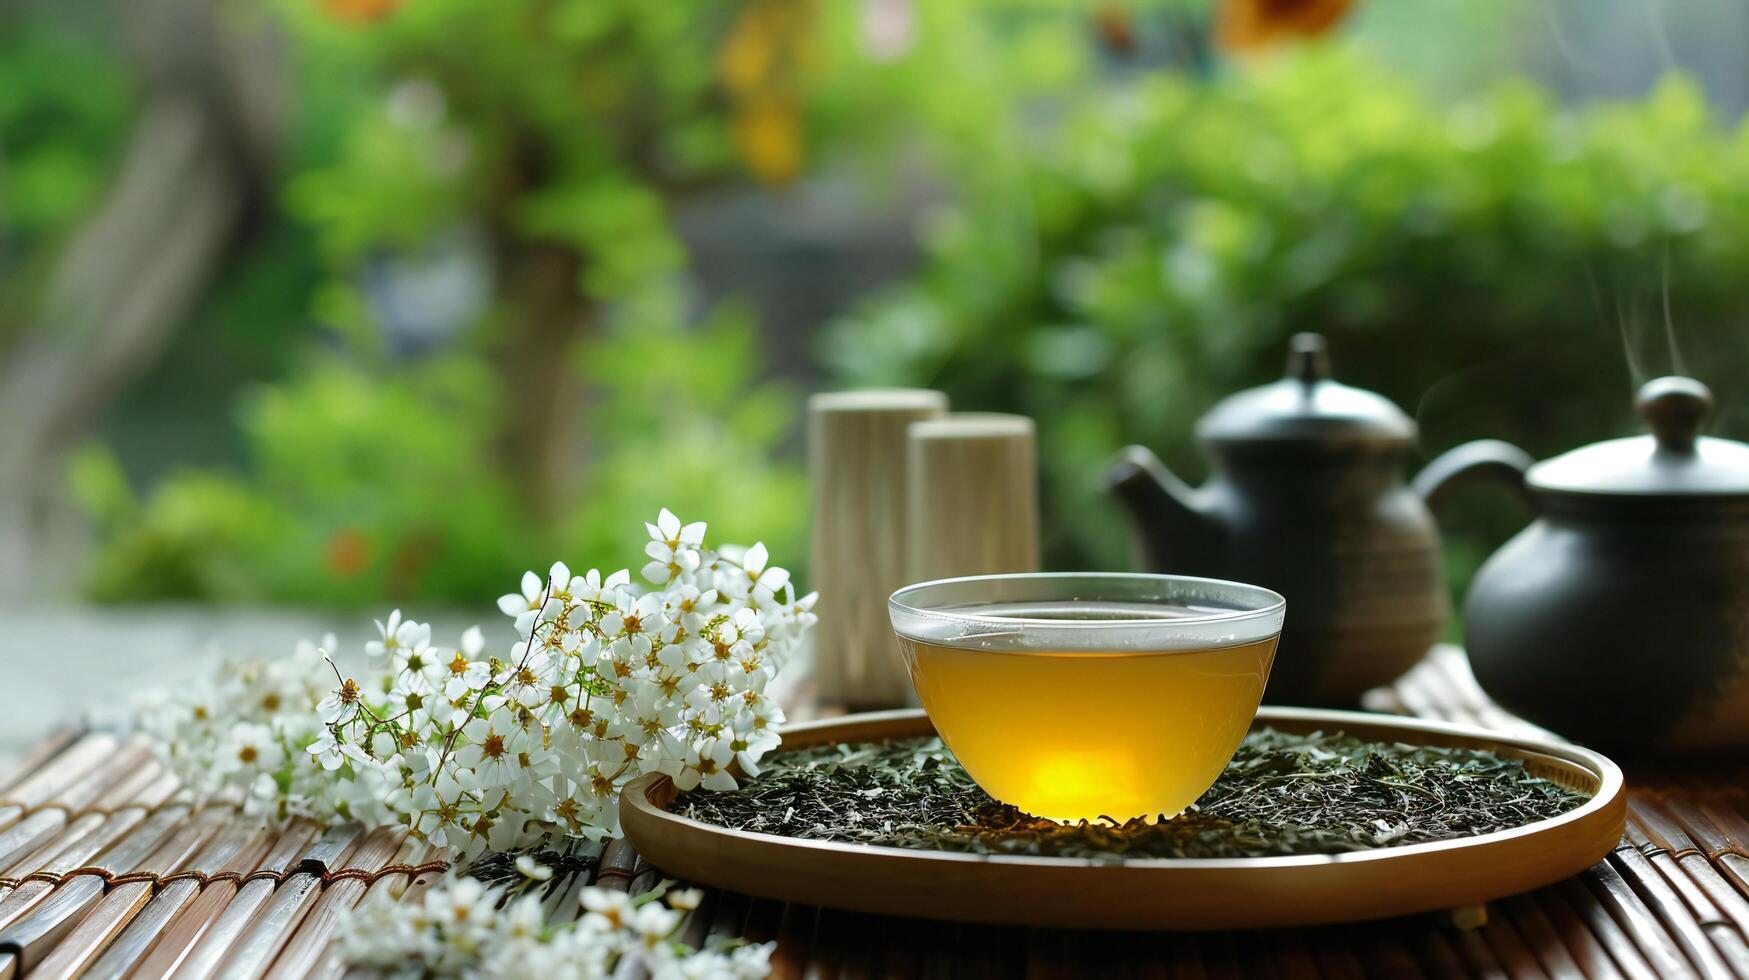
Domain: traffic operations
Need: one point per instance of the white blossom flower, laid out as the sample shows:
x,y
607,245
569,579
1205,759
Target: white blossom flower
x,y
399,637
750,743
592,587
251,748
685,899
463,928
328,751
600,683
341,705
532,604
531,869
706,764
386,641
673,548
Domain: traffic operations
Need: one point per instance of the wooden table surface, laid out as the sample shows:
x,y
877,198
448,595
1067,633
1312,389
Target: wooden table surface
x,y
1671,901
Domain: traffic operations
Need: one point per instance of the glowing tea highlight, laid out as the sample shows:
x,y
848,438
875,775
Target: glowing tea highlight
x,y
1081,696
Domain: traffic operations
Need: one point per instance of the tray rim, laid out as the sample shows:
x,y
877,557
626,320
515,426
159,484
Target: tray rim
x,y
1148,893
1611,785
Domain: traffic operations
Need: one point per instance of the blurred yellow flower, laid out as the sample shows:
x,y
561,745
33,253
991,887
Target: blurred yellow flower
x,y
768,134
758,66
1251,24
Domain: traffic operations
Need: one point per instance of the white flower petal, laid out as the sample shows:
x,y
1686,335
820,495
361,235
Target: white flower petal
x,y
755,558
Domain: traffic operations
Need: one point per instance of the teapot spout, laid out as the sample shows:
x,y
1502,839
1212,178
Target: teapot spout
x,y
1172,531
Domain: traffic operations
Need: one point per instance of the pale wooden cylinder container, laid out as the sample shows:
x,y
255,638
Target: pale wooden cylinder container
x,y
856,461
973,496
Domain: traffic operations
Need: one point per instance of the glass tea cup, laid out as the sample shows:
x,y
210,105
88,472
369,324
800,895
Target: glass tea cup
x,y
1078,696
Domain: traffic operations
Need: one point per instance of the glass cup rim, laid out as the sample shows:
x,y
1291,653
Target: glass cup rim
x,y
1262,620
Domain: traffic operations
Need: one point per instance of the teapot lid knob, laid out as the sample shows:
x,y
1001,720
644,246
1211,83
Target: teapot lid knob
x,y
1674,408
1308,358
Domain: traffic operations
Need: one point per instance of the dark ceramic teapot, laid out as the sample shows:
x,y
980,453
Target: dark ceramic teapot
x,y
1308,498
1620,616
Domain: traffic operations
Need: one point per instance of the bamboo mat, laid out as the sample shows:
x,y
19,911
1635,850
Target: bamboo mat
x,y
108,870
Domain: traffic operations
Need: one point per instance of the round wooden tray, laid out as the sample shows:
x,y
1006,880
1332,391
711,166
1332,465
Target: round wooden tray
x,y
1223,893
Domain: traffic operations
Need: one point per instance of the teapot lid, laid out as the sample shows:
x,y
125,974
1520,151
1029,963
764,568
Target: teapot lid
x,y
1674,459
1307,406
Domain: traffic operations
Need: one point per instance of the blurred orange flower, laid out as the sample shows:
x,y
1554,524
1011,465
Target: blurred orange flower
x,y
361,11
1251,24
348,553
1115,28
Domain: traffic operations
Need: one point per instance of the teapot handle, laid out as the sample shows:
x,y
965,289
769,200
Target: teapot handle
x,y
1473,462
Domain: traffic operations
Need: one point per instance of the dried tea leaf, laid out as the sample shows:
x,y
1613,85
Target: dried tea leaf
x,y
1282,794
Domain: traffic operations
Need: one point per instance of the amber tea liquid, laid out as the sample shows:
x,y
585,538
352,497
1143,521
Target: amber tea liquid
x,y
1081,734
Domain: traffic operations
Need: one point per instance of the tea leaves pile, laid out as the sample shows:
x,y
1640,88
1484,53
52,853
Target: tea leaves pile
x,y
1282,794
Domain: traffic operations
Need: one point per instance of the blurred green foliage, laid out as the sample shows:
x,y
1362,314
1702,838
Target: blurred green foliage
x,y
1121,244
550,140
360,488
60,137
1493,265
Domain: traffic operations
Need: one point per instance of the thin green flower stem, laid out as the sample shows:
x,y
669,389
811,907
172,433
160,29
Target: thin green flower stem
x,y
533,630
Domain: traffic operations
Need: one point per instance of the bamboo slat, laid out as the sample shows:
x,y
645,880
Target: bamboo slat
x,y
38,915
1600,955
67,768
1509,948
31,833
1438,957
120,771
1691,815
26,942
210,941
562,900
795,931
1335,955
87,941
1692,867
618,863
304,950
1731,824
39,755
234,848
388,887
116,810
125,832
1637,874
285,909
1385,956
1550,947
1658,840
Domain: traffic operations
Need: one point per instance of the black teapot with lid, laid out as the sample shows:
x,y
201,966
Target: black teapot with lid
x,y
1308,497
1620,616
